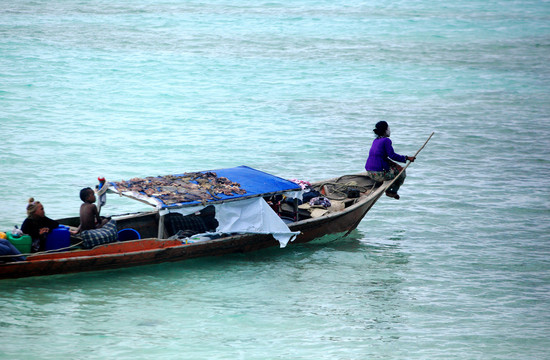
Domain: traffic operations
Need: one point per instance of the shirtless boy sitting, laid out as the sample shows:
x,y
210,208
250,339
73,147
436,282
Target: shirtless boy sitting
x,y
89,215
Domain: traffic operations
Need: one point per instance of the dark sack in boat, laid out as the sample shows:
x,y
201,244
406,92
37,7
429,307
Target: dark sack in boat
x,y
191,224
353,193
307,196
103,235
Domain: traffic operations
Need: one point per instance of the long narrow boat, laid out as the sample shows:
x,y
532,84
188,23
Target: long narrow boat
x,y
350,197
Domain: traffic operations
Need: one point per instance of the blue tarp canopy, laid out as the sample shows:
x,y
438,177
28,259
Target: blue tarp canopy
x,y
205,187
257,182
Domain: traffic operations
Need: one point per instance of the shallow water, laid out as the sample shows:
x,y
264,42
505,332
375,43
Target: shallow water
x,y
457,269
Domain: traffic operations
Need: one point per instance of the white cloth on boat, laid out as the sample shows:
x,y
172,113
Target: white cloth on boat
x,y
253,216
250,216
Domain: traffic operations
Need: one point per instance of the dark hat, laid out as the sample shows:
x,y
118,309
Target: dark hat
x,y
380,128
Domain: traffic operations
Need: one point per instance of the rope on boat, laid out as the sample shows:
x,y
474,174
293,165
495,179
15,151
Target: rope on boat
x,y
338,191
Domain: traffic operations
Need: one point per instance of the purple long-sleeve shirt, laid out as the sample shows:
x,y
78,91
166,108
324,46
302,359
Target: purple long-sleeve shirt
x,y
379,153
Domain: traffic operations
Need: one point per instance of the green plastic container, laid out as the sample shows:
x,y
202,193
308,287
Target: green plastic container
x,y
22,243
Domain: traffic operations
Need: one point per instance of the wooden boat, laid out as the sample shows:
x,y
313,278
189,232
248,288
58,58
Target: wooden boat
x,y
351,198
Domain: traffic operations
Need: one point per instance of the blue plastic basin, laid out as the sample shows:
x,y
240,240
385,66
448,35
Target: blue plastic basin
x,y
128,234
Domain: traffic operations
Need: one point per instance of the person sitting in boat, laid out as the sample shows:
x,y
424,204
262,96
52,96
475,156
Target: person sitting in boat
x,y
380,166
89,215
37,225
7,249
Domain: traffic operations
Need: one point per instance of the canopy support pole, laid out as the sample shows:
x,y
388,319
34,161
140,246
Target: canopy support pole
x,y
296,210
161,227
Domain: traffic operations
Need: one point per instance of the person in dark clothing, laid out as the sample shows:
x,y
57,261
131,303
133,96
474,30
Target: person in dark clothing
x,y
37,225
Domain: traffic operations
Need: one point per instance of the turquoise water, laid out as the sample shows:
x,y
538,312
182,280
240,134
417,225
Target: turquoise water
x,y
459,268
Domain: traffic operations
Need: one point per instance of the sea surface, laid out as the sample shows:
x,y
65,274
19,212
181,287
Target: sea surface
x,y
459,268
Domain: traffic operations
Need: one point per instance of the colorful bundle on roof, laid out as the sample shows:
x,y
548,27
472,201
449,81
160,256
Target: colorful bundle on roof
x,y
172,189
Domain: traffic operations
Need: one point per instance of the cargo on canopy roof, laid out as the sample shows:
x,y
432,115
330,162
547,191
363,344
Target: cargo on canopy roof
x,y
207,187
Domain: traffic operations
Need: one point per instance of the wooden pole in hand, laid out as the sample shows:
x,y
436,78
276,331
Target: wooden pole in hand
x,y
406,166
